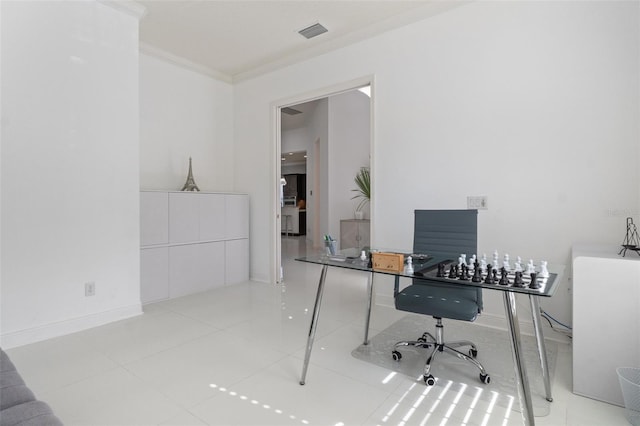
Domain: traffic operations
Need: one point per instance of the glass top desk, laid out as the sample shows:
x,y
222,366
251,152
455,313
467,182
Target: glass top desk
x,y
426,268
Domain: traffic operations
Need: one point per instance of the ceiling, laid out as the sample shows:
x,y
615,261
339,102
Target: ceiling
x,y
238,39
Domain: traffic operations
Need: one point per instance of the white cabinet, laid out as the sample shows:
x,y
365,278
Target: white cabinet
x,y
192,242
237,261
194,268
154,217
606,319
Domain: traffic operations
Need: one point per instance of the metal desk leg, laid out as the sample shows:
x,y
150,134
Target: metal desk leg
x,y
314,323
524,393
542,350
369,303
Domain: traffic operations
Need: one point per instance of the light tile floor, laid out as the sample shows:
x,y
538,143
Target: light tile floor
x,y
233,356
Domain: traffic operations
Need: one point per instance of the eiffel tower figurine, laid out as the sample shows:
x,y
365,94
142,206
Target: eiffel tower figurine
x,y
190,184
631,240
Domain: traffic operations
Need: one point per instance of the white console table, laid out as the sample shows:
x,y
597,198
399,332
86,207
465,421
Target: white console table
x,y
606,319
192,242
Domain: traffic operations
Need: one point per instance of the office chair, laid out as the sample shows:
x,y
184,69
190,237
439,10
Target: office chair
x,y
442,233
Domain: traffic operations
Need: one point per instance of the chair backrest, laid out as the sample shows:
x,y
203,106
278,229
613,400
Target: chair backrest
x,y
447,233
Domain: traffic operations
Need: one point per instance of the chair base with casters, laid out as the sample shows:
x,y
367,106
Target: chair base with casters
x,y
439,345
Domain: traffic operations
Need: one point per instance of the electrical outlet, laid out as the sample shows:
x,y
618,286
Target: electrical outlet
x,y
90,288
480,202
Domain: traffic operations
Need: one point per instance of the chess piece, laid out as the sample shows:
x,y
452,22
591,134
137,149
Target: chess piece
x,y
531,267
472,262
409,268
190,184
505,263
463,275
489,278
517,267
483,263
534,281
518,281
452,271
440,273
363,256
477,274
544,272
495,259
504,279
462,259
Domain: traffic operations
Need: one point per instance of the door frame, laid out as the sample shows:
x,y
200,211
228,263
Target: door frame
x,y
276,169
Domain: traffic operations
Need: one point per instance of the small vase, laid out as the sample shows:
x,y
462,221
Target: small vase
x,y
359,214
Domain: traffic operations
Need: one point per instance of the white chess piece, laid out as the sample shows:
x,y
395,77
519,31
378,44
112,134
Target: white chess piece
x,y
505,263
462,259
495,259
531,269
544,272
363,256
472,262
483,263
518,265
409,268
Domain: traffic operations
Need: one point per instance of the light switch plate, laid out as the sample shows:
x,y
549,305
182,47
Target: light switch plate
x,y
480,202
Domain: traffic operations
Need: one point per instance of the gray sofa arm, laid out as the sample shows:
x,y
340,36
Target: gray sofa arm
x,y
18,404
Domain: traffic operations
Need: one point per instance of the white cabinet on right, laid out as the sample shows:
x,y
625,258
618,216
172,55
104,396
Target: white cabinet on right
x,y
606,319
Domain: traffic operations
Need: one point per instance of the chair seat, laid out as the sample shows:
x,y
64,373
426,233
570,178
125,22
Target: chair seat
x,y
427,299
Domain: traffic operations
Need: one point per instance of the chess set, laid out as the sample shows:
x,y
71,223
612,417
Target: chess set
x,y
505,274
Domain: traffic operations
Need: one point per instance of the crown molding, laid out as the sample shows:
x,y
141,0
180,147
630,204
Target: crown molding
x,y
129,7
182,62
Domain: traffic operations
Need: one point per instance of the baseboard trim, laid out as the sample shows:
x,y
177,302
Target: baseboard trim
x,y
61,328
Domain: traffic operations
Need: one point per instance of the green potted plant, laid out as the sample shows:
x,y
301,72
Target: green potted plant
x,y
363,183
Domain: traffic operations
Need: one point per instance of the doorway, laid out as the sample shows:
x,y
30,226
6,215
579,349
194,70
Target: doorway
x,y
333,133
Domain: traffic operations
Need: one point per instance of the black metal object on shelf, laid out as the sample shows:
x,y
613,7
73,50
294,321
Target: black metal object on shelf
x,y
190,184
631,239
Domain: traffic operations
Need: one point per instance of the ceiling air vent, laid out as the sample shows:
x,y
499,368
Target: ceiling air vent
x,y
290,111
313,30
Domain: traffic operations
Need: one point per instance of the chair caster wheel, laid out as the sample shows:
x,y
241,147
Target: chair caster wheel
x,y
485,378
473,353
397,356
429,379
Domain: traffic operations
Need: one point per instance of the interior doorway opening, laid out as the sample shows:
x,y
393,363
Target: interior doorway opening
x,y
322,142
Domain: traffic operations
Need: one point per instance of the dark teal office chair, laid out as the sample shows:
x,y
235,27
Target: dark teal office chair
x,y
448,234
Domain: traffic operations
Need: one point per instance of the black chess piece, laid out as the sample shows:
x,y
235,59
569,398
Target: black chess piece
x,y
504,279
452,272
534,281
477,273
440,273
489,278
518,281
463,270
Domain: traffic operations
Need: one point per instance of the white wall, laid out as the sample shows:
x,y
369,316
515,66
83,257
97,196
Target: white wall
x,y
184,114
534,104
70,161
349,149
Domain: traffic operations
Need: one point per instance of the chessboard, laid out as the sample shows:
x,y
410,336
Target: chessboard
x,y
481,273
